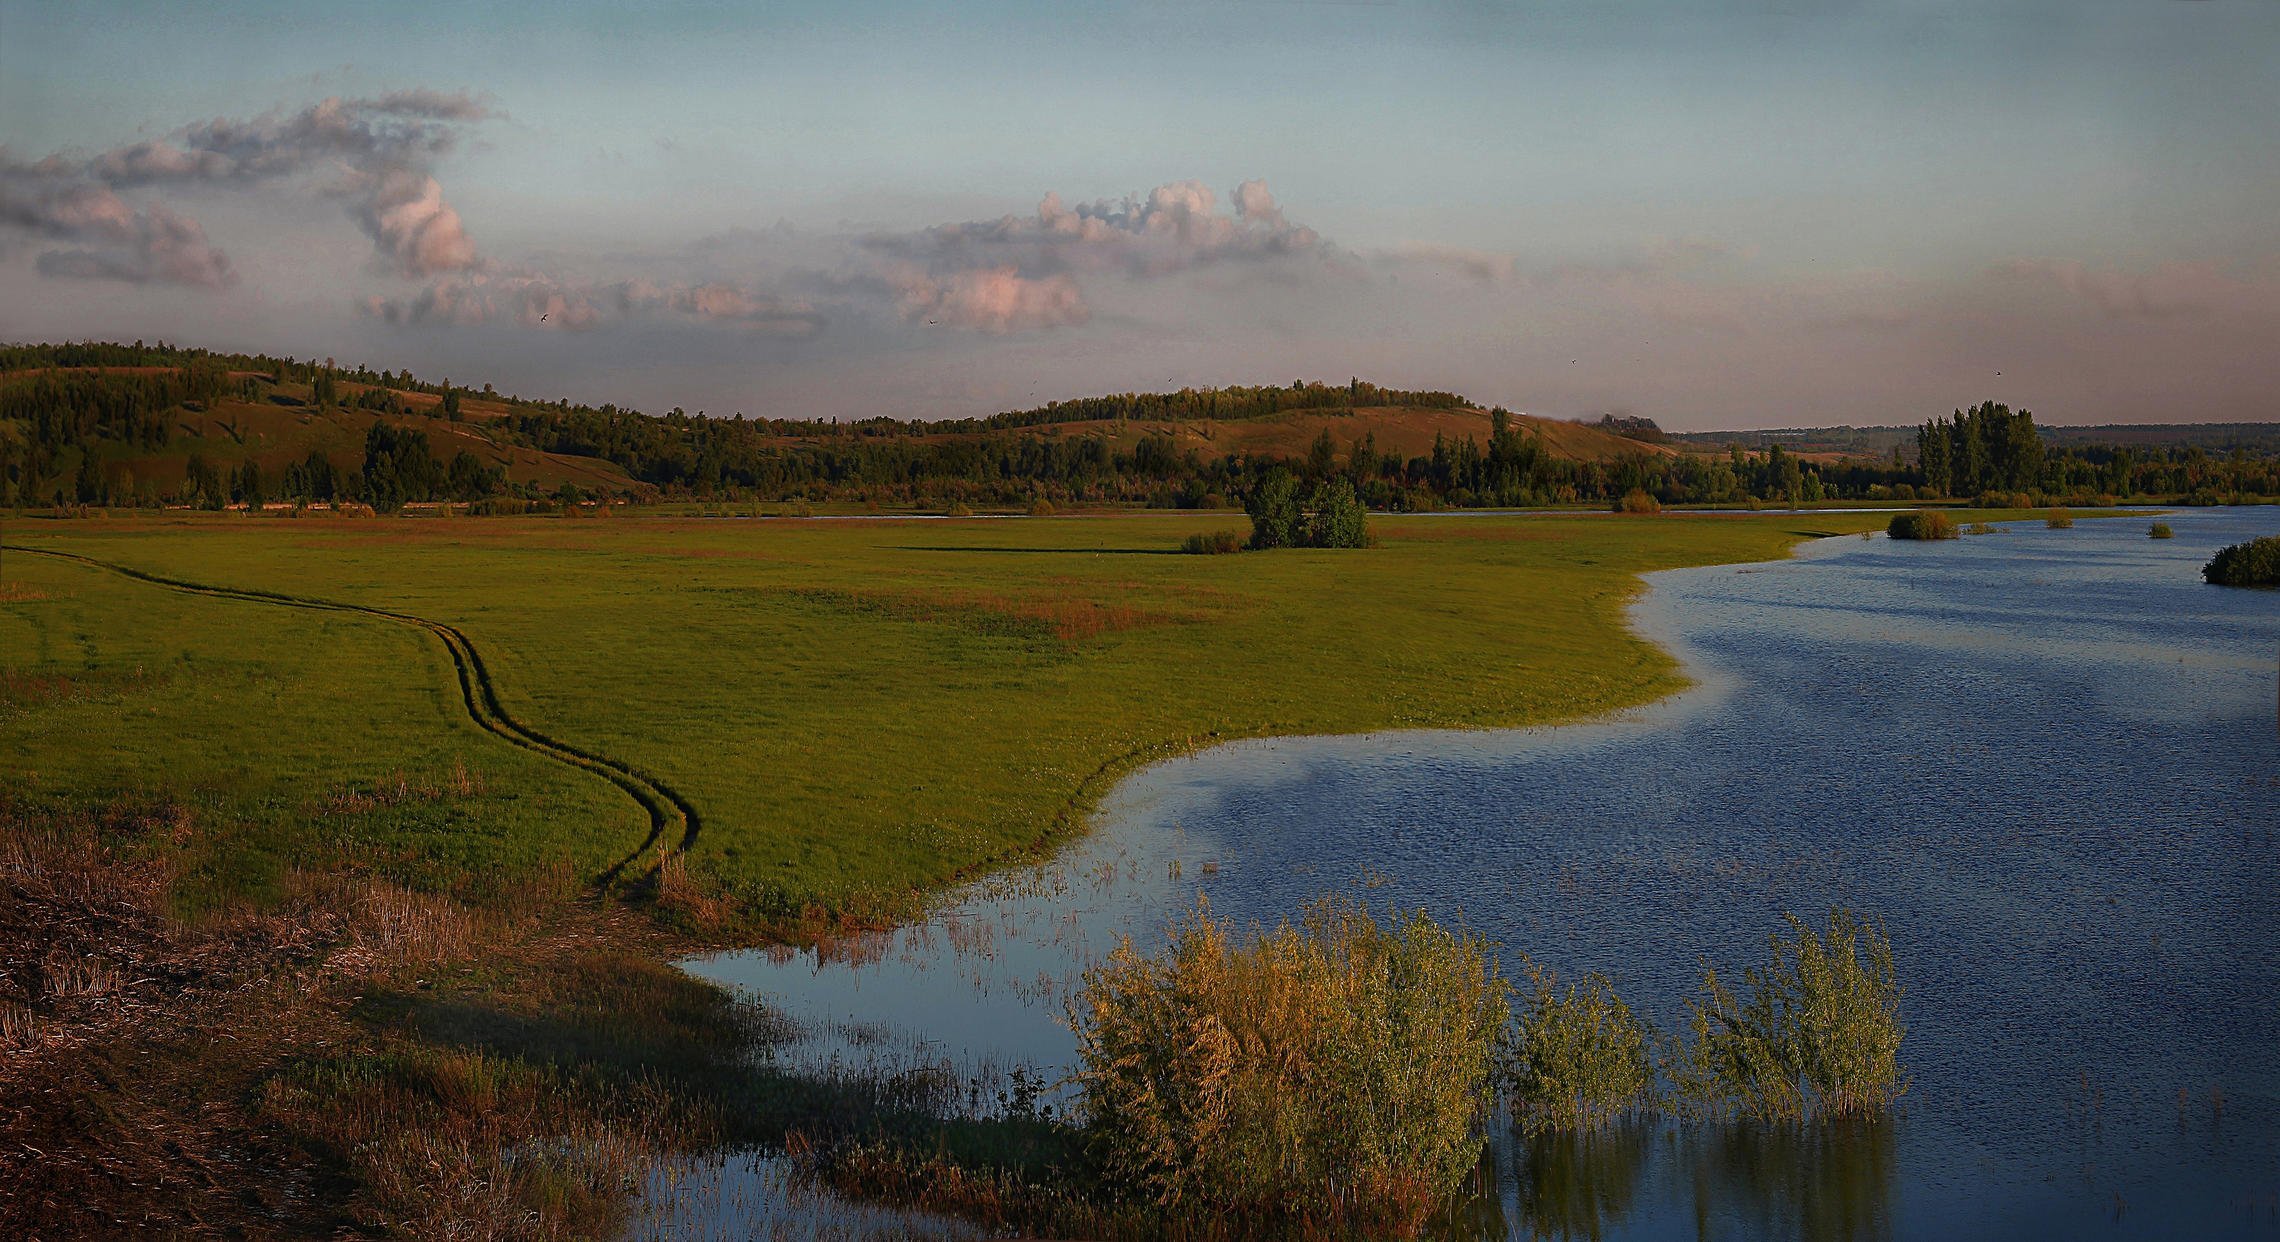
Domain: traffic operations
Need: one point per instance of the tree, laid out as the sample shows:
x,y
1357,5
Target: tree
x,y
1321,456
450,402
204,482
247,485
89,485
1273,506
1339,520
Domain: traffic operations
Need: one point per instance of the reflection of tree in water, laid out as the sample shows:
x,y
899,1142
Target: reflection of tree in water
x,y
1819,1182
1577,1185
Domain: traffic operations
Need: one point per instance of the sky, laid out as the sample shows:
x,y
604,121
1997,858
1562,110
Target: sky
x,y
1713,215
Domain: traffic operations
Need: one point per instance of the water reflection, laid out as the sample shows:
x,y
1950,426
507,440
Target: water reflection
x,y
1580,1186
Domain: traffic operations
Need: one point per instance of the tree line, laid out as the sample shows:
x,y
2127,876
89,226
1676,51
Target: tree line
x,y
49,412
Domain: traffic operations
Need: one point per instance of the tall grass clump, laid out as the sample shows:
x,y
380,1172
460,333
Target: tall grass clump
x,y
1333,1075
2255,563
2160,530
1638,500
1817,1032
1576,1058
2059,519
1921,524
1212,543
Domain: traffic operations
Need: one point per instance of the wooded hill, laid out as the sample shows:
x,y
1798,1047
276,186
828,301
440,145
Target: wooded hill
x,y
109,424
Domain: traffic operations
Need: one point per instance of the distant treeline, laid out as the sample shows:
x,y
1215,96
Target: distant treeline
x,y
1985,453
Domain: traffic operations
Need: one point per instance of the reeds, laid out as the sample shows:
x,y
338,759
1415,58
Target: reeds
x,y
1576,1058
1333,1074
1815,1033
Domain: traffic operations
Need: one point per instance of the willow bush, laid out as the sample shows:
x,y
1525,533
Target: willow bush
x,y
1330,1075
1815,1033
1576,1058
2160,530
1922,524
2254,563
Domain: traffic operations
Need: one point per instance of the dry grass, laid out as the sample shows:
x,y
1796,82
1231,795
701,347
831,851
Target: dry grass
x,y
1329,1076
232,1076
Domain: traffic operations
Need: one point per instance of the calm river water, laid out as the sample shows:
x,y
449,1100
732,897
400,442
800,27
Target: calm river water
x,y
2046,759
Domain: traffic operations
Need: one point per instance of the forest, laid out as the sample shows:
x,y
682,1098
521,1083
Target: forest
x,y
64,425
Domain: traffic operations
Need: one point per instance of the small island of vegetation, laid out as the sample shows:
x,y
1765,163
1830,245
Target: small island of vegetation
x,y
1922,524
2255,563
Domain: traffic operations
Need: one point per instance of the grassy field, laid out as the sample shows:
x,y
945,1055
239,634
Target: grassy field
x,y
859,710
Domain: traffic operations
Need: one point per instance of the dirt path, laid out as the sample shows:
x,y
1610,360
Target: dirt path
x,y
668,810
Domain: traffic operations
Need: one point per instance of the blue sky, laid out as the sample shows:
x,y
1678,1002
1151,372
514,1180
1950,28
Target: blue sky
x,y
1710,214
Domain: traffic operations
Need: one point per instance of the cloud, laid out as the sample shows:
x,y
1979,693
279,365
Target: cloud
x,y
539,300
113,240
1176,226
415,230
995,300
381,150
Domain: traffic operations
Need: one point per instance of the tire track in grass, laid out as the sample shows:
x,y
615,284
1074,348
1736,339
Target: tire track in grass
x,y
668,810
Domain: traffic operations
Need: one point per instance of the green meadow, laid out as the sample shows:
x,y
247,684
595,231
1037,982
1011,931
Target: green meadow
x,y
859,711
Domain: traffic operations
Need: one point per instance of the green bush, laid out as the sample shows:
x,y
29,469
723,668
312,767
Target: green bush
x,y
1334,1075
2252,564
1922,524
2160,530
1273,505
1340,520
1638,500
1212,543
1817,1032
1979,528
2059,519
958,509
1576,1058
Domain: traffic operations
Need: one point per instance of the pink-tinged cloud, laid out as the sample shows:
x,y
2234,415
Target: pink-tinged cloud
x,y
415,231
380,150
109,238
994,300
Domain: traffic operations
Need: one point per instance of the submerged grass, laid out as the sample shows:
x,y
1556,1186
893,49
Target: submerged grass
x,y
1332,1075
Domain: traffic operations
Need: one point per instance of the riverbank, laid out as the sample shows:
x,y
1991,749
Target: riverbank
x,y
861,716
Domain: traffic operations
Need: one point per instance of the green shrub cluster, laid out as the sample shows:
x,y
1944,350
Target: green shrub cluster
x,y
1212,543
2255,563
1332,517
2160,530
1638,500
2059,519
1922,524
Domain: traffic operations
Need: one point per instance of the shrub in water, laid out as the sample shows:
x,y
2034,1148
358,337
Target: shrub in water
x,y
1576,1058
1817,1032
2252,564
1979,528
1331,1075
1922,524
2059,519
1212,543
1638,500
2160,530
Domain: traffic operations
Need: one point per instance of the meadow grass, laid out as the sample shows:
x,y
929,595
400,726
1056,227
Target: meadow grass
x,y
861,710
